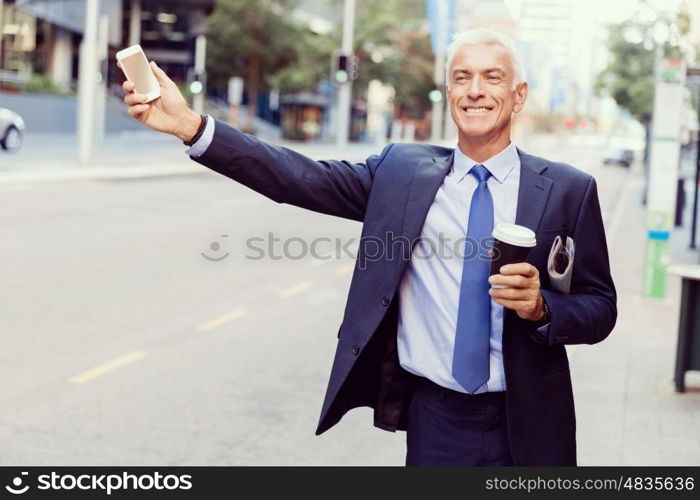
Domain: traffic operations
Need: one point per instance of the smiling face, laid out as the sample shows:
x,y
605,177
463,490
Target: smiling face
x,y
482,99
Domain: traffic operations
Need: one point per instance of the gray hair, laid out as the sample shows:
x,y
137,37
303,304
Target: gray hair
x,y
485,35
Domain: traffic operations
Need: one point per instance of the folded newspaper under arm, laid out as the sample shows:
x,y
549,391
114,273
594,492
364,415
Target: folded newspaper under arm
x,y
560,264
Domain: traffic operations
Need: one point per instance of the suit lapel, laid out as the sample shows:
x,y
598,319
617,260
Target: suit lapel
x,y
533,192
428,175
427,178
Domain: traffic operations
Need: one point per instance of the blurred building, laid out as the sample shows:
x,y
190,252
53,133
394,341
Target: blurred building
x,y
550,23
560,42
42,37
492,14
559,31
470,14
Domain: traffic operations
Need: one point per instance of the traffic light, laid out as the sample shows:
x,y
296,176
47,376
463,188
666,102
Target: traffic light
x,y
435,95
196,86
342,69
196,81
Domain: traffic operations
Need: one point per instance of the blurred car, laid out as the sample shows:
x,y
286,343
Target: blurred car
x,y
11,130
622,157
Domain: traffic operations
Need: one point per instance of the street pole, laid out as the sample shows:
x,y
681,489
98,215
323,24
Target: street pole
x,y
669,88
135,22
101,87
693,229
692,82
2,25
439,74
87,76
200,54
345,89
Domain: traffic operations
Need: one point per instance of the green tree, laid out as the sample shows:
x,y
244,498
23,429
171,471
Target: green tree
x,y
633,45
261,42
392,45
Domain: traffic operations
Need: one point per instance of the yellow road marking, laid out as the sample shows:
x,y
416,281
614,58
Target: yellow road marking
x,y
221,320
344,269
104,368
295,290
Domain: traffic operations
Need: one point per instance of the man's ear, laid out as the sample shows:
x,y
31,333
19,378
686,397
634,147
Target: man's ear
x,y
520,96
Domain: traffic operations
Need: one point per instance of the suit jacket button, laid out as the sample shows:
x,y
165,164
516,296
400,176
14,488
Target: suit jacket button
x,y
385,301
356,349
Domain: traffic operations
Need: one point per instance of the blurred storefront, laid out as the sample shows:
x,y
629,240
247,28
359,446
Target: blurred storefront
x,y
42,37
302,116
166,29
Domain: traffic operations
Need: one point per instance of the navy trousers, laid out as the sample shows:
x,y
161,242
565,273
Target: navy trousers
x,y
450,428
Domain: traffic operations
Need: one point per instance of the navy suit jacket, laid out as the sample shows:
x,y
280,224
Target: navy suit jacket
x,y
390,194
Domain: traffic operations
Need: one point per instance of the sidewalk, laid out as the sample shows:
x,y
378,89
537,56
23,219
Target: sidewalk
x,y
129,156
627,410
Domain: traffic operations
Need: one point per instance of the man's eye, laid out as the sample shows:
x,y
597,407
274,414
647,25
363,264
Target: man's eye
x,y
494,78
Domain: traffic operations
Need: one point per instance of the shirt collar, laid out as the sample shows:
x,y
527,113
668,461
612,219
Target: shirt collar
x,y
500,165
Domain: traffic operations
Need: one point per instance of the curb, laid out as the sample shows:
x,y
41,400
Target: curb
x,y
72,174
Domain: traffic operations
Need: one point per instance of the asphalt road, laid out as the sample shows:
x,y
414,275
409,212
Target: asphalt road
x,y
124,345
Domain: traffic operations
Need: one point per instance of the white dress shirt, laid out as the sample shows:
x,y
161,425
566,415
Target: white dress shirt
x,y
199,147
429,291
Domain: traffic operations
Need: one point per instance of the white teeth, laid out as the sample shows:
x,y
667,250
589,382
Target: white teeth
x,y
477,110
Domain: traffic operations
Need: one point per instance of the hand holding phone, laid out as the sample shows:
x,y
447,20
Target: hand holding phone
x,y
159,106
135,66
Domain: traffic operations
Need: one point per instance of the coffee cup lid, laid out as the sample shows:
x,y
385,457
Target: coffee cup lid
x,y
514,234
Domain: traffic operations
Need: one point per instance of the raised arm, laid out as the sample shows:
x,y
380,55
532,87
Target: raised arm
x,y
332,187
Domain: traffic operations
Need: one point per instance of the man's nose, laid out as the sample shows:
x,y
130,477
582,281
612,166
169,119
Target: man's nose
x,y
475,89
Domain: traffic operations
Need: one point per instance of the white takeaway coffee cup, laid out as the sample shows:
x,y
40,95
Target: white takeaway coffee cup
x,y
511,244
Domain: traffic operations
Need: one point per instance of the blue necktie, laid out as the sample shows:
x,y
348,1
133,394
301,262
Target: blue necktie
x,y
470,361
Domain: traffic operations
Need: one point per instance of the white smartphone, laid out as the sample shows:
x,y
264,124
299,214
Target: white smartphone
x,y
136,68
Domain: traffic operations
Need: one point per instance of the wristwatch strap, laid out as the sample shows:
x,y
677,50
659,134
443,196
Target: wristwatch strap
x,y
546,317
200,131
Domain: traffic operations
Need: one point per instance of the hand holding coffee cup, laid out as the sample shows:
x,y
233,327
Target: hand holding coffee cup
x,y
515,283
511,244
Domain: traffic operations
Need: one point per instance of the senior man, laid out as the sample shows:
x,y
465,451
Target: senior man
x,y
475,374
